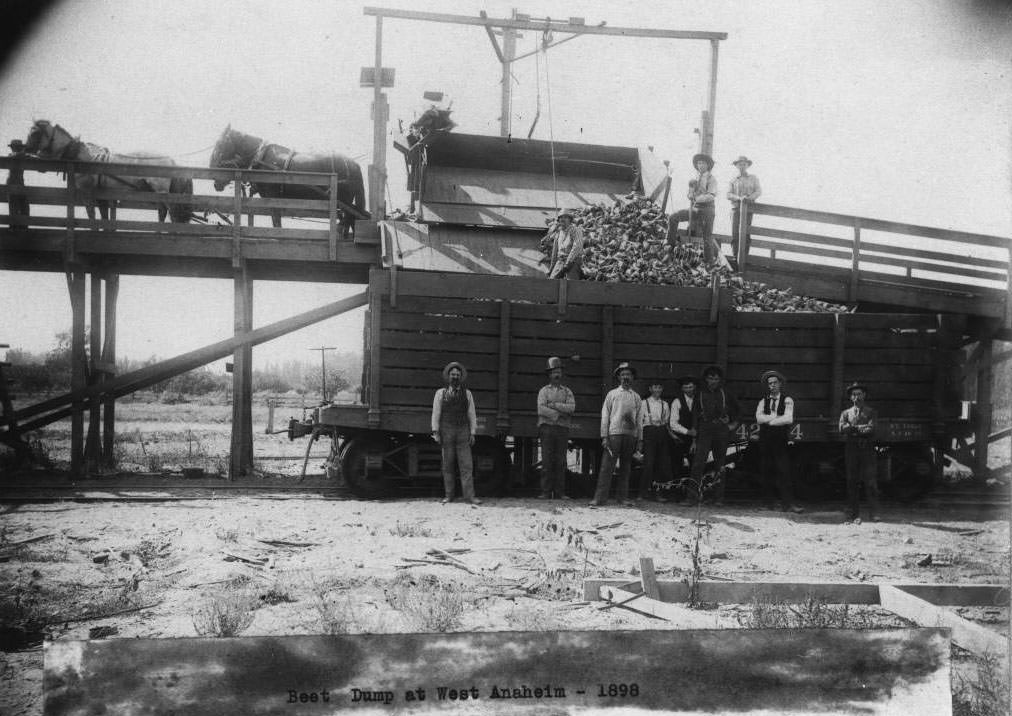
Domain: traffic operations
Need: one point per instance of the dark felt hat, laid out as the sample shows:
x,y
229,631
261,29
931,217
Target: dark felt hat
x,y
856,385
705,157
682,380
713,369
742,160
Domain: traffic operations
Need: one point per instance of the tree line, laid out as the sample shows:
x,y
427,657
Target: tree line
x,y
49,372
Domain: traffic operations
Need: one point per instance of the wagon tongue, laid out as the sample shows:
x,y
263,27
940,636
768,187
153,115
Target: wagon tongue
x,y
517,183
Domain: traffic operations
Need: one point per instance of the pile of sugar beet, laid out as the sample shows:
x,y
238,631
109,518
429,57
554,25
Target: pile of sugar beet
x,y
626,243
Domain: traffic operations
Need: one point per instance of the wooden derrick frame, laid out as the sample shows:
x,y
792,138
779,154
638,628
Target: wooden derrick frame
x,y
924,604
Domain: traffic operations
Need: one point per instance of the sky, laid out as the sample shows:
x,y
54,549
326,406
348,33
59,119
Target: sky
x,y
897,111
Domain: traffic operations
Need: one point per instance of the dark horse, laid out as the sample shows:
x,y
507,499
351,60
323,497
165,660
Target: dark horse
x,y
51,141
235,150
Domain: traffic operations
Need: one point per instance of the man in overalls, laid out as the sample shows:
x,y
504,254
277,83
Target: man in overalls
x,y
717,418
454,423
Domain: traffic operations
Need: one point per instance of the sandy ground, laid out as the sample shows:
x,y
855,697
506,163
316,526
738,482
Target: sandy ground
x,y
523,568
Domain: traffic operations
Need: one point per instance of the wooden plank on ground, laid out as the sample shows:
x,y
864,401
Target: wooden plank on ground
x,y
743,592
721,672
681,617
649,578
972,637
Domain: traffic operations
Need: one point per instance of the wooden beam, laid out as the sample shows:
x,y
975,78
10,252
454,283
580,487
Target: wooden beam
x,y
839,347
744,592
76,284
69,252
491,38
241,455
982,429
109,357
607,348
542,25
649,578
502,418
373,356
973,637
711,106
144,377
679,616
93,445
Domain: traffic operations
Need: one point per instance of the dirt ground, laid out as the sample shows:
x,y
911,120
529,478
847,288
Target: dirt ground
x,y
316,565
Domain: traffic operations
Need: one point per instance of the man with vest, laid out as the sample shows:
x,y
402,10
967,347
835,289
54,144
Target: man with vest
x,y
857,425
621,435
556,405
775,415
716,419
682,425
654,417
454,423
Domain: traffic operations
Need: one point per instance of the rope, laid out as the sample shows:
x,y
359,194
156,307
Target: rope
x,y
551,128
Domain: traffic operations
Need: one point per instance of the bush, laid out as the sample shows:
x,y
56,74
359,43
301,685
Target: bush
x,y
229,614
432,605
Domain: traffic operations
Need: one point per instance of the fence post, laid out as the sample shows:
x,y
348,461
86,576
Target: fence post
x,y
332,210
237,222
69,250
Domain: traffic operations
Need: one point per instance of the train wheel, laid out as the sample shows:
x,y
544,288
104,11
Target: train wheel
x,y
907,473
362,466
491,466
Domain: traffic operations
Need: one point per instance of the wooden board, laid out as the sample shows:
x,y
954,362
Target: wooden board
x,y
514,673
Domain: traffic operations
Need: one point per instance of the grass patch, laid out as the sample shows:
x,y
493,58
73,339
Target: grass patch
x,y
812,612
987,694
430,604
529,620
410,529
227,614
335,611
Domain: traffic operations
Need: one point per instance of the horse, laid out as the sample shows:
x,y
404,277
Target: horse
x,y
237,150
51,141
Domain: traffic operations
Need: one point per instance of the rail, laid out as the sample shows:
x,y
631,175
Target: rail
x,y
882,262
222,213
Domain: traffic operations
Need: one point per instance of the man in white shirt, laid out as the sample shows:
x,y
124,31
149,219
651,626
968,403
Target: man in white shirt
x,y
654,417
775,415
744,192
621,435
556,405
567,248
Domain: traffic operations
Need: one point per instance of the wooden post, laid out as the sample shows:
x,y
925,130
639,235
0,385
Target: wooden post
x,y
982,433
109,360
78,378
502,419
742,230
563,296
93,446
836,392
69,250
708,130
375,311
241,462
943,345
723,328
855,262
1008,292
607,347
332,211
237,222
378,168
509,47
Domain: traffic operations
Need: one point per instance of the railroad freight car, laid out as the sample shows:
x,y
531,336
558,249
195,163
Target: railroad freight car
x,y
503,329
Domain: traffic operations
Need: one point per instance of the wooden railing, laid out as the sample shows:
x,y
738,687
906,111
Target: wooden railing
x,y
862,268
223,212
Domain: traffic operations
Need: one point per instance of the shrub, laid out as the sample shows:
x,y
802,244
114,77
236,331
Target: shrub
x,y
228,614
432,605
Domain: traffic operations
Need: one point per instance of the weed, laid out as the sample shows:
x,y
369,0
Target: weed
x,y
432,605
335,614
988,695
812,612
529,620
696,490
278,591
227,614
149,549
549,529
21,606
227,534
410,529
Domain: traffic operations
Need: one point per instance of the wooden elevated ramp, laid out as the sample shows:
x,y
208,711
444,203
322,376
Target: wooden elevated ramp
x,y
859,260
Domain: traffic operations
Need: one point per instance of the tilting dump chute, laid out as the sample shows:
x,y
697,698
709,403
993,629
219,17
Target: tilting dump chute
x,y
476,180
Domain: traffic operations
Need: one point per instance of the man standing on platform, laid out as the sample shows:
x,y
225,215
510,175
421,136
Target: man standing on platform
x,y
682,426
556,405
701,211
567,248
744,192
654,417
620,436
716,420
775,415
454,423
857,425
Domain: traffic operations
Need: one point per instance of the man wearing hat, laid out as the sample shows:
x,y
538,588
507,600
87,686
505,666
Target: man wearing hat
x,y
682,424
857,425
454,423
715,420
774,415
655,414
621,435
17,205
702,193
556,405
744,191
567,247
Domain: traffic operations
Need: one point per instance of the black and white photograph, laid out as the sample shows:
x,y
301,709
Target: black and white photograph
x,y
505,357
